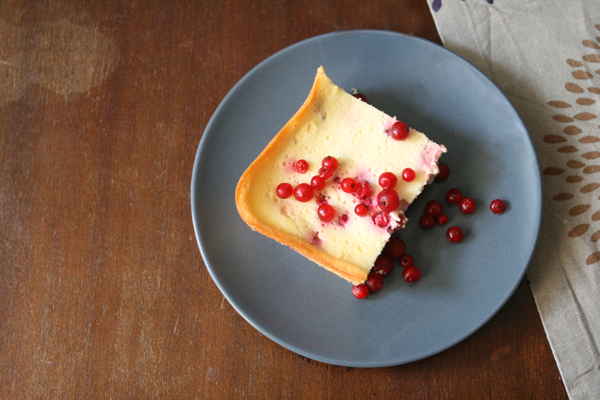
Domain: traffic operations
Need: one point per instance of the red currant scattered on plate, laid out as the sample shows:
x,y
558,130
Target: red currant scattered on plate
x,y
304,192
374,282
454,196
395,247
411,274
301,166
284,190
497,206
406,260
384,264
360,291
442,219
433,208
467,205
427,221
360,96
444,172
408,174
454,234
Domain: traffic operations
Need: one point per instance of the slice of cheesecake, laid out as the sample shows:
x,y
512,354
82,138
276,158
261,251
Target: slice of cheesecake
x,y
363,140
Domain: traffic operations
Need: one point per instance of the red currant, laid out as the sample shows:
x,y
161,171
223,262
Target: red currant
x,y
343,219
497,206
427,221
395,247
325,173
408,174
363,190
384,264
442,219
433,208
304,192
317,182
374,282
361,210
467,205
326,212
454,234
411,274
301,166
349,185
399,130
454,196
360,96
444,172
388,200
388,180
406,260
284,190
331,163
360,291
382,219
321,199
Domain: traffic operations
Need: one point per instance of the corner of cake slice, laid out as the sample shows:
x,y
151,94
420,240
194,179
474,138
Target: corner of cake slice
x,y
333,123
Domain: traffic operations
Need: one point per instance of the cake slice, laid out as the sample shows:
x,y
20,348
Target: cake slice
x,y
363,141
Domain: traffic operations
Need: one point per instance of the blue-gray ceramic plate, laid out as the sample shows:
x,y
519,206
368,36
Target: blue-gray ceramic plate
x,y
312,312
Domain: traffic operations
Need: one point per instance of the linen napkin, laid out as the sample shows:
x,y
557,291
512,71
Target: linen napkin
x,y
545,56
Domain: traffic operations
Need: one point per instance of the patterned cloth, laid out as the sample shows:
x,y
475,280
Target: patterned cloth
x,y
545,56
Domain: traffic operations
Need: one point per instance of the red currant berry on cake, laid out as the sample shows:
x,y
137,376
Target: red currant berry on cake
x,y
301,166
374,282
361,210
304,192
497,206
444,172
388,200
331,163
388,180
384,264
325,173
382,219
360,96
411,274
399,130
406,260
395,247
360,291
467,205
349,185
317,182
363,190
408,174
321,199
454,196
326,212
284,190
427,221
433,208
442,219
454,234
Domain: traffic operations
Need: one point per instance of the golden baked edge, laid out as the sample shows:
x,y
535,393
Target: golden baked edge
x,y
339,267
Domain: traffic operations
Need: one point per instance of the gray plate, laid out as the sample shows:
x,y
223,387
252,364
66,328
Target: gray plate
x,y
311,311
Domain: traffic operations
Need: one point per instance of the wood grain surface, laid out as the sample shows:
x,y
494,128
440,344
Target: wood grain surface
x,y
103,291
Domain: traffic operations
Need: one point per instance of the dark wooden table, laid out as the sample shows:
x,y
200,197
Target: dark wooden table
x,y
103,292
